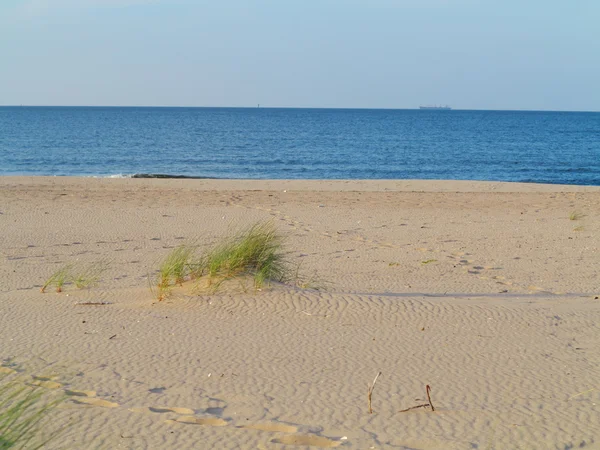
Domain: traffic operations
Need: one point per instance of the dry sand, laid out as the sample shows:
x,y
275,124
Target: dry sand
x,y
485,291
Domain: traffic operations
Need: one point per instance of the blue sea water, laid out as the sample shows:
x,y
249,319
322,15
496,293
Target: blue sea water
x,y
542,147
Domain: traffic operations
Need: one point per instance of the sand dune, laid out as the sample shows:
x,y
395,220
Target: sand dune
x,y
487,292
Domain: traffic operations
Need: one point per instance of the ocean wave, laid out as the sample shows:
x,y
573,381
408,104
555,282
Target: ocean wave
x,y
160,175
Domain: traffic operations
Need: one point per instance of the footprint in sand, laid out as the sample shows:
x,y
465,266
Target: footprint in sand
x,y
293,439
95,402
176,410
308,440
193,420
273,427
187,416
536,288
88,398
46,382
76,393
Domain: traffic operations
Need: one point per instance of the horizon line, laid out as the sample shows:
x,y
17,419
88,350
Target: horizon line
x,y
417,108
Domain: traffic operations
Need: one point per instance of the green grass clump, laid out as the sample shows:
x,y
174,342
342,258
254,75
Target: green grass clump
x,y
256,252
22,409
174,269
86,277
575,215
58,278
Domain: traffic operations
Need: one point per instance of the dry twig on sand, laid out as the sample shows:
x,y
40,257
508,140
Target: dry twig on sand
x,y
370,392
424,405
428,389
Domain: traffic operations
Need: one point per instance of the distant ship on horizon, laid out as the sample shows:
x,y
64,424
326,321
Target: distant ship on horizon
x,y
444,107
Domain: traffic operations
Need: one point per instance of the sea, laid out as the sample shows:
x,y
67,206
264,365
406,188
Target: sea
x,y
288,143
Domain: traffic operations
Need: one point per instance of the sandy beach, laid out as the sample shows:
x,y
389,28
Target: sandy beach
x,y
487,292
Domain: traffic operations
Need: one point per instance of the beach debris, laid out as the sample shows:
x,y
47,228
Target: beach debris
x,y
370,392
428,389
92,303
581,393
424,405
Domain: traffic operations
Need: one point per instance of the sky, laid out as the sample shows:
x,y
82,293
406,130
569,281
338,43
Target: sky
x,y
469,54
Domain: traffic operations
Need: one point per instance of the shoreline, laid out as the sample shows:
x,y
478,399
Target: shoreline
x,y
415,185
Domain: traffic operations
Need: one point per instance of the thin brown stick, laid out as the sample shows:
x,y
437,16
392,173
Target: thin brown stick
x,y
428,389
93,304
415,407
370,392
425,405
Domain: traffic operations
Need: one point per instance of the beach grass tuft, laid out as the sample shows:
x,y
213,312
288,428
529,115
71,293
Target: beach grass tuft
x,y
22,409
83,278
176,266
256,252
576,215
58,278
174,269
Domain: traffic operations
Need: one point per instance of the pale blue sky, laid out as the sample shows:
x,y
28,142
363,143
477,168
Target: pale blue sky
x,y
480,54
